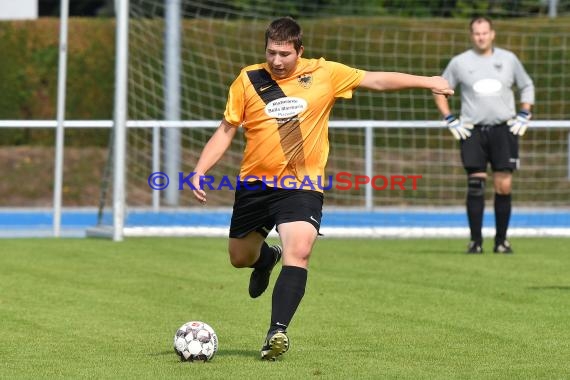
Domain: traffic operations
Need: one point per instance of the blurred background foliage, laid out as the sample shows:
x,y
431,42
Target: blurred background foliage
x,y
28,73
319,8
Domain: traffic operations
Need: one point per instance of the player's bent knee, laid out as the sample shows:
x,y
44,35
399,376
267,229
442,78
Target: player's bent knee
x,y
240,259
238,262
476,186
503,190
299,255
303,254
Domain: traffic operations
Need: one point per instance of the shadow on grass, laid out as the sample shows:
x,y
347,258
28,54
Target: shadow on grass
x,y
225,352
435,251
235,352
551,287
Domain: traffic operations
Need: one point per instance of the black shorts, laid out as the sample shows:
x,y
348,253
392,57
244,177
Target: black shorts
x,y
260,208
493,144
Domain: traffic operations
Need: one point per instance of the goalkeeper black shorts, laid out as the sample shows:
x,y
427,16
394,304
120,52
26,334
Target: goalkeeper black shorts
x,y
490,144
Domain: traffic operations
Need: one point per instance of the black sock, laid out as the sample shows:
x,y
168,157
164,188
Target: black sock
x,y
266,257
502,216
287,294
476,208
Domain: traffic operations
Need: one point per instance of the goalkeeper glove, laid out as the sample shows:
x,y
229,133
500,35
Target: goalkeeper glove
x,y
459,129
519,123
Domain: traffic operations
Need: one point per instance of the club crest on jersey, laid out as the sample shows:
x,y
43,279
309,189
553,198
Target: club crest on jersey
x,y
498,66
305,80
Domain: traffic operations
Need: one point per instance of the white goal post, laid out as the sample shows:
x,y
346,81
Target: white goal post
x,y
374,135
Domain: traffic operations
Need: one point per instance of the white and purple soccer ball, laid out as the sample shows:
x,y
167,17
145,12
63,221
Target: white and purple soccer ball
x,y
195,341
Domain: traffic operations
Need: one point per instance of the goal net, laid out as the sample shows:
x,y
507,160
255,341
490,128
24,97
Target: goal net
x,y
183,55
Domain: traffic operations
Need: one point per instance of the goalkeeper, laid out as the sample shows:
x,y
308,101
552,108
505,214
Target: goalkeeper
x,y
489,125
283,106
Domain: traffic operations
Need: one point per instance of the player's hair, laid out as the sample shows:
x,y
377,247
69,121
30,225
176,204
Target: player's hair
x,y
285,29
478,19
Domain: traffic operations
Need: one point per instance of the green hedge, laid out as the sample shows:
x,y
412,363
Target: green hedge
x,y
28,77
28,72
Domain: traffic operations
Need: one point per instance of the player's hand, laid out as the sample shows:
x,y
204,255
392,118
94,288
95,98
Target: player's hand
x,y
440,86
459,129
199,193
519,123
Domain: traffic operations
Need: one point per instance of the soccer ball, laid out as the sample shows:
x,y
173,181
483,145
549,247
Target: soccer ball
x,y
195,341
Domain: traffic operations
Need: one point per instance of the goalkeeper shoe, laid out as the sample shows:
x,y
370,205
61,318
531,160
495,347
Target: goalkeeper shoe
x,y
259,279
276,344
474,247
503,247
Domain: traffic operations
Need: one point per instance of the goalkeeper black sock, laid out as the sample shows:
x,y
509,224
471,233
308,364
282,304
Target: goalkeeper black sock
x,y
476,207
502,216
266,257
287,294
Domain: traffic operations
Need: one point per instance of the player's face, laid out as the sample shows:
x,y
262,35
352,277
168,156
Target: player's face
x,y
482,36
281,58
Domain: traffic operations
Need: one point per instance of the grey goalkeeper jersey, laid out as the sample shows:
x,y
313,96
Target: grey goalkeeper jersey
x,y
486,84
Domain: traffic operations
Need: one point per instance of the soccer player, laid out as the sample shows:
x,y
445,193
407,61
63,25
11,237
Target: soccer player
x,y
489,126
283,105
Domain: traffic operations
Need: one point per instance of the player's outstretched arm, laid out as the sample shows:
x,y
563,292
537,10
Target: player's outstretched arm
x,y
394,81
211,154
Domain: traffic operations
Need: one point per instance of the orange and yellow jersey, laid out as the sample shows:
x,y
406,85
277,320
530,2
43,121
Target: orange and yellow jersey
x,y
286,120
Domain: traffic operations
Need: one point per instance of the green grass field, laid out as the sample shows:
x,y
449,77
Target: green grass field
x,y
81,308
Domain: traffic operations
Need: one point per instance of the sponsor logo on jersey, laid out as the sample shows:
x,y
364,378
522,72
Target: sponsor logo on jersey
x,y
286,107
487,87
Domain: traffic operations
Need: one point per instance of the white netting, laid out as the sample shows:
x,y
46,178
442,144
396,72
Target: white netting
x,y
219,38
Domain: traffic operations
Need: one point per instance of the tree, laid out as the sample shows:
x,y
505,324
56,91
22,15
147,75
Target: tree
x,y
77,8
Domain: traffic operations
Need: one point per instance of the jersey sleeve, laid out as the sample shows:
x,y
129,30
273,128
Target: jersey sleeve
x,y
524,82
235,105
450,73
344,79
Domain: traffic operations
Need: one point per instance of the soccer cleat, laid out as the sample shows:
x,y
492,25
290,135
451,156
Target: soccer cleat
x,y
276,344
259,279
503,247
474,247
